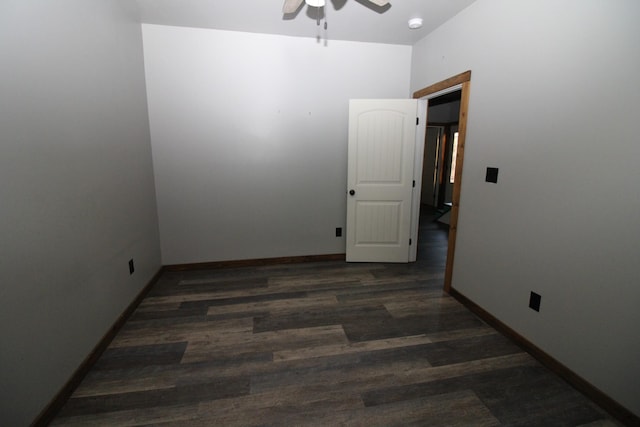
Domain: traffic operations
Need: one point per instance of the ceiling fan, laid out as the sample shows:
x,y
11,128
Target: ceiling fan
x,y
290,6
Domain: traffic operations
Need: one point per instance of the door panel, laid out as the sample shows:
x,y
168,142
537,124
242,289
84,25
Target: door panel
x,y
378,151
378,223
380,178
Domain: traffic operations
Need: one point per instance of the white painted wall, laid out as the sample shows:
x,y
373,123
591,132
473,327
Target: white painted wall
x,y
249,136
554,105
76,189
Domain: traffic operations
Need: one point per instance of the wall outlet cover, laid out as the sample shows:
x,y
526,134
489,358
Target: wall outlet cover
x,y
492,175
534,301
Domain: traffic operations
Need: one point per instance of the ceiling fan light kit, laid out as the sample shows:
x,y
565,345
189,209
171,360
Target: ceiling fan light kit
x,y
315,3
291,6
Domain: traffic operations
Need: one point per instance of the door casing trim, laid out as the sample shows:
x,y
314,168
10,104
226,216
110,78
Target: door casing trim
x,y
464,80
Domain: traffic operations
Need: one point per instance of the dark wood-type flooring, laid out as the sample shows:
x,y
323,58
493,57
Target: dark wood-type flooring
x,y
325,343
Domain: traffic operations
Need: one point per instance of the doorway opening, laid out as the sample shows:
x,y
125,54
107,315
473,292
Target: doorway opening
x,y
459,83
441,146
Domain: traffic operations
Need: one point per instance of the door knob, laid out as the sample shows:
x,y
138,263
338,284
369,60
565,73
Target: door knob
x,y
352,192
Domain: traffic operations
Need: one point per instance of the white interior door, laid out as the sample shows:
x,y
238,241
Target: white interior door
x,y
381,157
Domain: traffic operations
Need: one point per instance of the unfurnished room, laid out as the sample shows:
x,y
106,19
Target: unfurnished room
x,y
319,212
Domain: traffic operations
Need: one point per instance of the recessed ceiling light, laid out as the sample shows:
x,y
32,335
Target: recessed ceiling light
x,y
415,23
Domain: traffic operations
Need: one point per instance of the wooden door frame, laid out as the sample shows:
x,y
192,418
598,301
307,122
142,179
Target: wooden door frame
x,y
463,79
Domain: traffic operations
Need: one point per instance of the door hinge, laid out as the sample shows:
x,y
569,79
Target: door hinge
x,y
417,121
409,242
414,183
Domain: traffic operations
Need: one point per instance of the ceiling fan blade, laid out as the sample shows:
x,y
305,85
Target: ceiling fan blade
x,y
380,3
290,6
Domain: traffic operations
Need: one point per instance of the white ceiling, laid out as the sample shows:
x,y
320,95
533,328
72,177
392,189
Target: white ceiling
x,y
356,20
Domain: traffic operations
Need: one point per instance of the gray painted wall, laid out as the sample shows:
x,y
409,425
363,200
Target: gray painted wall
x,y
554,105
76,189
249,136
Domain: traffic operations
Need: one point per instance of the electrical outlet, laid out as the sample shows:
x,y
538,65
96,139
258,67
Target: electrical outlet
x,y
131,267
339,232
492,175
534,301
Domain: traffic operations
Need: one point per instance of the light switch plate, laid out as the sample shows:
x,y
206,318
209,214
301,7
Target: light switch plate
x,y
492,175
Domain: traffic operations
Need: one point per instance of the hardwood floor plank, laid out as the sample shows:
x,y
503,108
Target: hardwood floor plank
x,y
134,417
178,314
142,308
360,347
219,297
302,281
141,355
217,302
371,374
321,317
179,332
386,294
277,307
241,278
499,378
203,350
471,348
437,322
272,408
385,326
123,385
461,333
401,307
214,389
186,287
201,296
459,409
168,376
